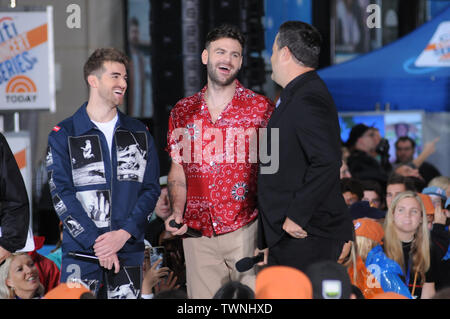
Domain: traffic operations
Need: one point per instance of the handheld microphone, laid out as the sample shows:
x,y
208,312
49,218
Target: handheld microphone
x,y
79,254
191,232
82,255
248,262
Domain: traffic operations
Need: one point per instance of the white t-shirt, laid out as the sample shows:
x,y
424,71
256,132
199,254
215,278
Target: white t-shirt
x,y
107,129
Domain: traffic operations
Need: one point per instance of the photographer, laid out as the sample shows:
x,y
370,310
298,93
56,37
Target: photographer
x,y
362,143
381,152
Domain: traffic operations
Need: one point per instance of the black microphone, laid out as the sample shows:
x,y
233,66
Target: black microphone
x,y
248,262
191,232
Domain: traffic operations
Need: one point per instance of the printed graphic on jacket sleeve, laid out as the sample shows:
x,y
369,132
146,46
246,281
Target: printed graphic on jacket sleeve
x,y
97,204
59,205
73,226
49,157
126,284
51,183
87,161
131,155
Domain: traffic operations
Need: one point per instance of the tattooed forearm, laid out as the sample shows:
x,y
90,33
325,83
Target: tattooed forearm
x,y
174,183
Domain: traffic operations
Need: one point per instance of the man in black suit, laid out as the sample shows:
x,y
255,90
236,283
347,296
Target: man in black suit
x,y
303,216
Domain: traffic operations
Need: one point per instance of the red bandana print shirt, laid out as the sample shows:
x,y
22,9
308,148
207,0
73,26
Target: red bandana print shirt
x,y
222,168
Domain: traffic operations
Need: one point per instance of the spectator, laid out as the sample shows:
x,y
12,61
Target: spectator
x,y
362,165
363,209
373,194
19,278
351,190
329,281
381,151
156,279
282,282
234,290
397,184
442,182
368,234
440,236
49,273
408,170
437,195
429,208
155,228
157,235
407,242
404,153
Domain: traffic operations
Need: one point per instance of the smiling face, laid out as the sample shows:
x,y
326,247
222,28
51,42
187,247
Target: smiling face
x,y
407,217
23,276
223,60
111,84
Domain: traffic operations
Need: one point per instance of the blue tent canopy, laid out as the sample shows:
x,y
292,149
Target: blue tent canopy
x,y
389,75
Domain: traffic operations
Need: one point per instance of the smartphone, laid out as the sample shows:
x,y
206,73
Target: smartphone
x,y
157,253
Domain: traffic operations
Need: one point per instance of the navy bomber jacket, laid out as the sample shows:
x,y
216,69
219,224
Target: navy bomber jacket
x,y
94,192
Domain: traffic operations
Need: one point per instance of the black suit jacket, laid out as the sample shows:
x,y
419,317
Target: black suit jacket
x,y
306,186
14,205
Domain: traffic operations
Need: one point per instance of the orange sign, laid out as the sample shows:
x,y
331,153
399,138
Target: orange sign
x,y
23,42
21,84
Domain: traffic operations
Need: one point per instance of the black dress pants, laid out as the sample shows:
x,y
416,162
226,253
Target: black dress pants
x,y
300,253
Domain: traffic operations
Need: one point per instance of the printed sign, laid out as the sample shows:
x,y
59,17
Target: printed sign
x,y
27,60
437,52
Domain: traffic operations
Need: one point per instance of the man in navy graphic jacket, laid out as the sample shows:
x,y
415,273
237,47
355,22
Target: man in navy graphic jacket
x,y
103,175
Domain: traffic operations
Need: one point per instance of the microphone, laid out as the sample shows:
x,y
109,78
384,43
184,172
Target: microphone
x,y
82,255
248,262
191,232
78,254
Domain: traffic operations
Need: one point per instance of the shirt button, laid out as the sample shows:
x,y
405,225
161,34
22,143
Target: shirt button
x,y
212,163
214,224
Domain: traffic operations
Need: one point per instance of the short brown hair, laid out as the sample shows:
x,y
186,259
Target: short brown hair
x,y
225,31
96,60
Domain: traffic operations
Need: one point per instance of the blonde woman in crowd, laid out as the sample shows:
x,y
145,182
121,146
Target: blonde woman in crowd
x,y
407,242
19,278
368,234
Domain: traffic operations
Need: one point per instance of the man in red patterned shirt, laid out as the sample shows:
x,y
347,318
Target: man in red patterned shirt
x,y
212,139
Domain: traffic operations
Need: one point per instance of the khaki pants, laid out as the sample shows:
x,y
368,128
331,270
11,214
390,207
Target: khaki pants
x,y
210,262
